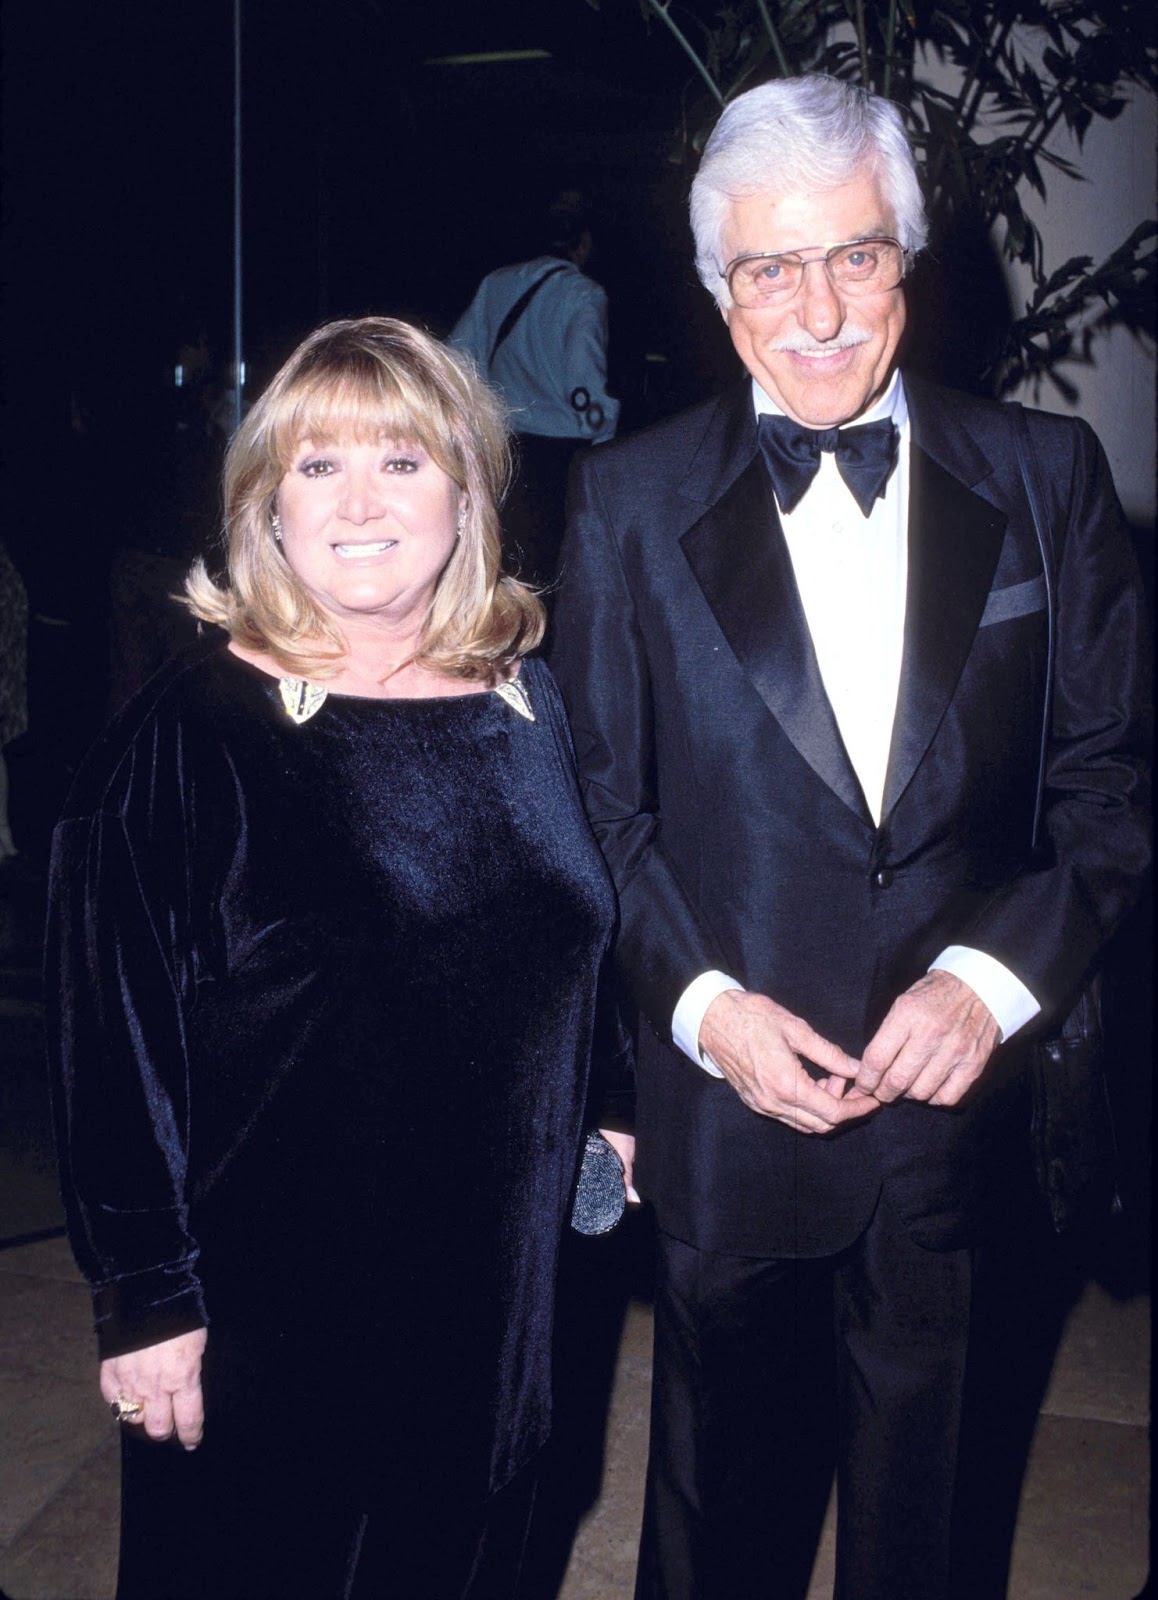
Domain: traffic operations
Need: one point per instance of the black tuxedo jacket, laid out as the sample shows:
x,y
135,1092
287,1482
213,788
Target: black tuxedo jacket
x,y
735,827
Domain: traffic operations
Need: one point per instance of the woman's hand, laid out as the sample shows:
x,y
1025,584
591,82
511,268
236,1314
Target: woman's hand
x,y
624,1146
166,1379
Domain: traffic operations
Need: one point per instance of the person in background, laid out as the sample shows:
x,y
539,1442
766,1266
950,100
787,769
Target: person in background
x,y
805,643
538,331
327,920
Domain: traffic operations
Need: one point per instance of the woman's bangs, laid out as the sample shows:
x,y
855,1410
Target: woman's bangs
x,y
360,408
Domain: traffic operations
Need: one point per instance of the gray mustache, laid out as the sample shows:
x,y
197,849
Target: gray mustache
x,y
846,339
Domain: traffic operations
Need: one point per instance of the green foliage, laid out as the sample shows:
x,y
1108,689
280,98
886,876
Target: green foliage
x,y
1024,69
1073,305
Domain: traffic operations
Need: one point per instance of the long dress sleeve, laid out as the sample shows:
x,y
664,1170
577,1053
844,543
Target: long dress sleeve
x,y
119,959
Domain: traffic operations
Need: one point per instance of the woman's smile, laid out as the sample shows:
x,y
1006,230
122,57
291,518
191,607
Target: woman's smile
x,y
361,549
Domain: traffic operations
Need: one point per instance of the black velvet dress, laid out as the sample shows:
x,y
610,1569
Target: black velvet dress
x,y
324,1000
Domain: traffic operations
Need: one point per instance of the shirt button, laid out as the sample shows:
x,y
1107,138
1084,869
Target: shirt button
x,y
883,878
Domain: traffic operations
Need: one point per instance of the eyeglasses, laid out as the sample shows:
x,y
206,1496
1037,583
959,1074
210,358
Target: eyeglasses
x,y
860,266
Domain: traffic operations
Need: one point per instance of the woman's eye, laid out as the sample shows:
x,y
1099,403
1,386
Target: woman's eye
x,y
401,464
316,468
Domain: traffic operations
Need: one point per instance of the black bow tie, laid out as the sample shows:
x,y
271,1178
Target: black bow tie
x,y
865,457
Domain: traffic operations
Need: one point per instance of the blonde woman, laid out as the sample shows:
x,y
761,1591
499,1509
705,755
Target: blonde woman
x,y
327,924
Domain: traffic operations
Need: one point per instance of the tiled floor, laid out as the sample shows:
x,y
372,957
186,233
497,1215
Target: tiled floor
x,y
1082,1532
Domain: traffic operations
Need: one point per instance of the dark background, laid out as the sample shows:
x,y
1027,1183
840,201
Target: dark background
x,y
371,180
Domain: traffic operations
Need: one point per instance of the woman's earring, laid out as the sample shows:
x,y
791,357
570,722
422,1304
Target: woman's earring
x,y
461,523
275,525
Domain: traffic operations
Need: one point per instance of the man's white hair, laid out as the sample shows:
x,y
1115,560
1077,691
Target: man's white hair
x,y
801,134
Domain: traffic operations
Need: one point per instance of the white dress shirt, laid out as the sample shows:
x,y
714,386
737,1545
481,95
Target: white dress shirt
x,y
851,572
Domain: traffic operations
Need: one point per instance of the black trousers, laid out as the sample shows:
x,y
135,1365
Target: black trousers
x,y
768,1371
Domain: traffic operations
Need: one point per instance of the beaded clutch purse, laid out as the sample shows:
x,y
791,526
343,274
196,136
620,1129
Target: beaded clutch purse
x,y
599,1195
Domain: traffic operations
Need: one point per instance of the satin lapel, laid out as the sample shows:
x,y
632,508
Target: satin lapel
x,y
954,541
740,560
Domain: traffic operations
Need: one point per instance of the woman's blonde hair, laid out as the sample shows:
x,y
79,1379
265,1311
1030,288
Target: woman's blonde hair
x,y
362,380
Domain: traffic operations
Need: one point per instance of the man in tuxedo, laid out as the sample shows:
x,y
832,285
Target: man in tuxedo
x,y
804,635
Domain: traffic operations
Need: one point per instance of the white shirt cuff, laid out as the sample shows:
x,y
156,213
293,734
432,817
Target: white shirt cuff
x,y
1006,996
689,1015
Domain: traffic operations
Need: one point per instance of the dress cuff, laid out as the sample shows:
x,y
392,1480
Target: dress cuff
x,y
146,1309
689,1015
1006,996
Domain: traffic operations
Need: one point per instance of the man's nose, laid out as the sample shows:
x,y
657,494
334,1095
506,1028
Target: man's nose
x,y
819,309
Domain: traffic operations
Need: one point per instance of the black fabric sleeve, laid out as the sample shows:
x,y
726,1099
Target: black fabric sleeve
x,y
1050,923
599,657
611,1086
121,956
